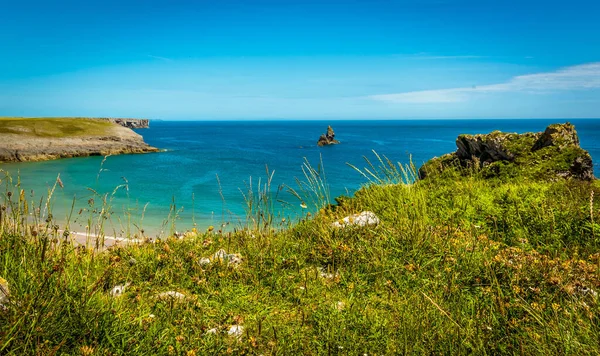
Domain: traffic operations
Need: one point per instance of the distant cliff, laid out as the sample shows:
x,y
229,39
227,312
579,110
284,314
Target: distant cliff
x,y
44,139
129,123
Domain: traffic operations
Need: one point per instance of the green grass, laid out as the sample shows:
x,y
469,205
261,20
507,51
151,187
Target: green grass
x,y
54,127
457,265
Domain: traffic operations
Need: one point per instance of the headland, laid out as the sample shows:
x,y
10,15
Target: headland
x,y
41,139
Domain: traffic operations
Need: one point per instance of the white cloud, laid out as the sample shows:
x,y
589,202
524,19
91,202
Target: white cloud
x,y
580,77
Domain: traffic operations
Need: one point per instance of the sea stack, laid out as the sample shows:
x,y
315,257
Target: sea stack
x,y
328,138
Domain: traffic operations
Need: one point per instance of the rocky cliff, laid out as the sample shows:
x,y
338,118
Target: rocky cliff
x,y
328,138
129,123
46,139
554,153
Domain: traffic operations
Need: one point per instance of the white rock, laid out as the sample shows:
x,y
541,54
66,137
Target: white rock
x,y
234,259
170,294
229,258
204,261
236,331
119,289
588,291
324,274
362,219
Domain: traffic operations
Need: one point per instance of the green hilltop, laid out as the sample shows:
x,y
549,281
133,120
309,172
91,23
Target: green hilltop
x,y
54,127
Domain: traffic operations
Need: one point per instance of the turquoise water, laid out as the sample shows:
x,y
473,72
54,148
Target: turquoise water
x,y
207,165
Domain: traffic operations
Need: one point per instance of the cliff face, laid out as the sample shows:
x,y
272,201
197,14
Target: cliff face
x,y
24,140
554,153
130,123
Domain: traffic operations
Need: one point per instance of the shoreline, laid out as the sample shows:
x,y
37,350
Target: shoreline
x,y
41,139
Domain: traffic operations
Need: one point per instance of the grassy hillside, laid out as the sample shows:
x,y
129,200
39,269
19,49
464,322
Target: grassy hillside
x,y
457,265
54,127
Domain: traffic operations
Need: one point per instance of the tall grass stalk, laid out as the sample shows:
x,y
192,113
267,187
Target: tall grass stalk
x,y
313,191
387,172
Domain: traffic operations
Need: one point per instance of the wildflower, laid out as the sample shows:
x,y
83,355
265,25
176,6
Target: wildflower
x,y
303,205
86,350
555,307
538,307
411,267
189,234
236,331
340,305
191,353
204,261
4,291
118,290
179,338
210,228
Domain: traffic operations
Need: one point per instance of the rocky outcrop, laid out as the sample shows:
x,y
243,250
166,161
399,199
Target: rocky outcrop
x,y
549,154
130,123
328,138
557,135
24,140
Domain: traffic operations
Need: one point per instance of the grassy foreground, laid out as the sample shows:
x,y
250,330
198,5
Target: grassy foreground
x,y
457,265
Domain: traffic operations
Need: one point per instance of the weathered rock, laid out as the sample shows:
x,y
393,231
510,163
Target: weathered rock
x,y
363,219
328,138
170,295
484,147
118,290
547,155
561,135
236,331
582,167
130,123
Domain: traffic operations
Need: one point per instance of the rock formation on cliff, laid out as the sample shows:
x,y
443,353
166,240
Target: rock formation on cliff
x,y
328,138
547,155
130,123
46,139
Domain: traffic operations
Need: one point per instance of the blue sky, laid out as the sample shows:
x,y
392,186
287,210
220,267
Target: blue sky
x,y
231,59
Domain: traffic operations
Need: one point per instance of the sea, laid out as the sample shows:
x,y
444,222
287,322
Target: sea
x,y
208,171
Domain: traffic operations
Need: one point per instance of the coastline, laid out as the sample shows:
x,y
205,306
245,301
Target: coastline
x,y
42,139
